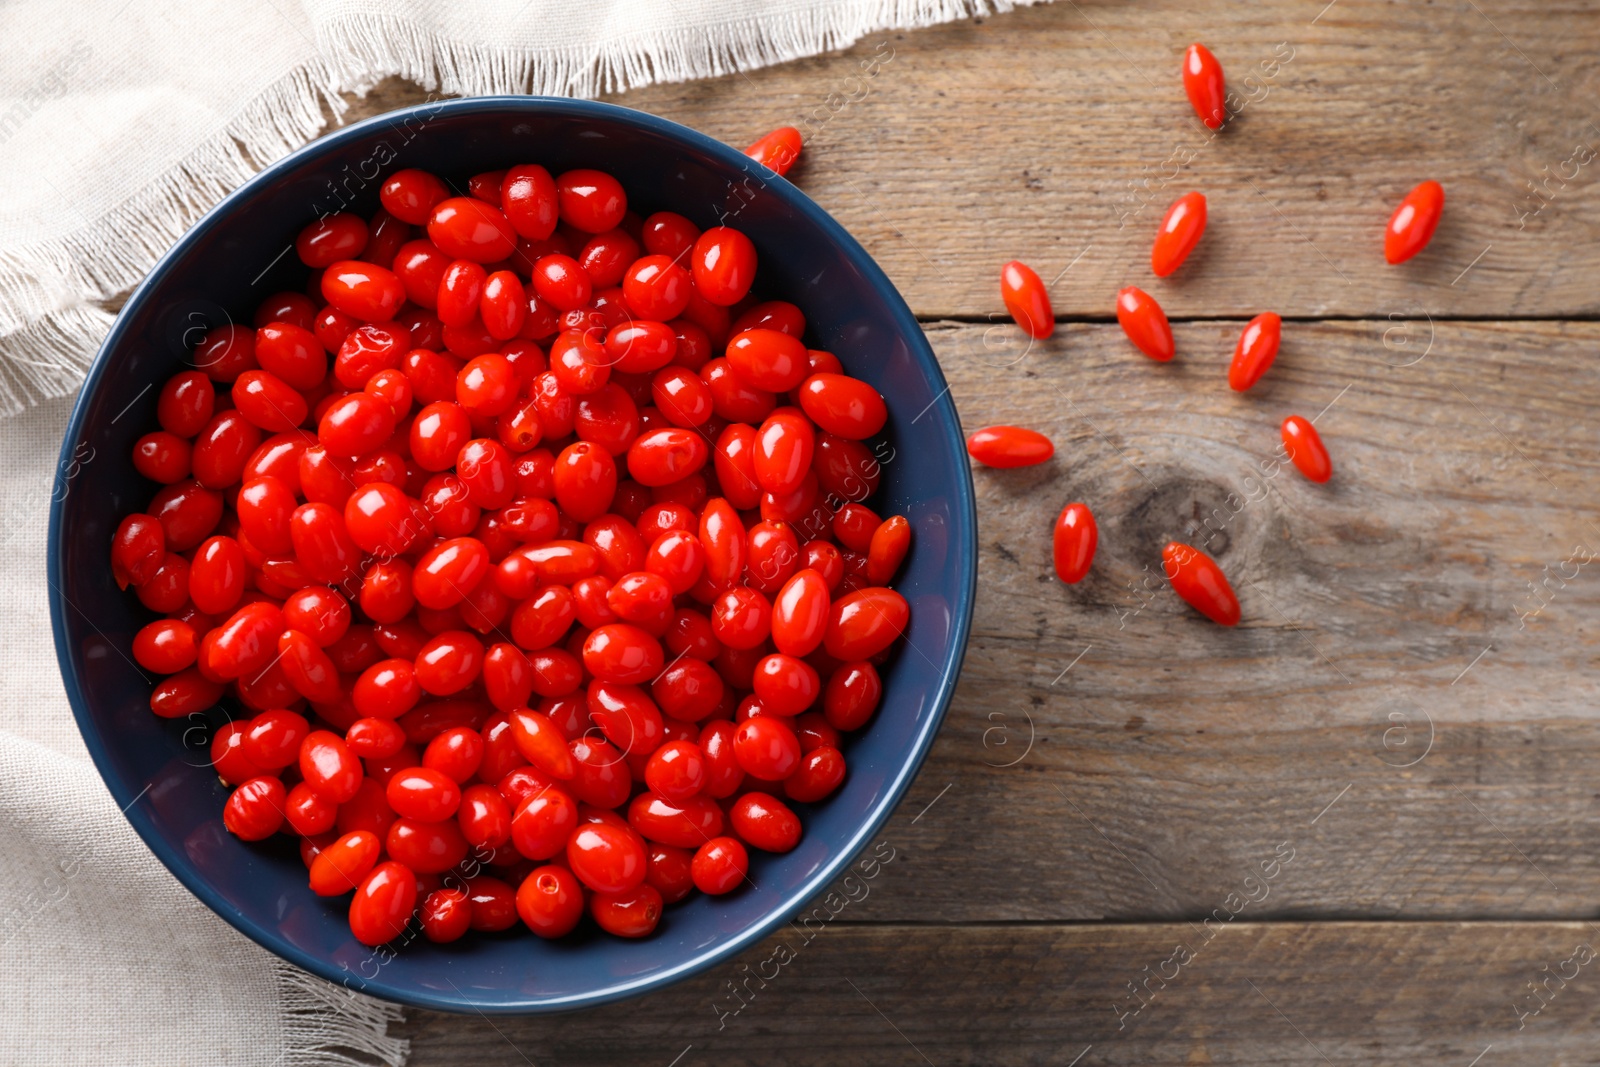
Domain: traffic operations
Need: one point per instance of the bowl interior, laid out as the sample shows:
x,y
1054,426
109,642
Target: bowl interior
x,y
240,254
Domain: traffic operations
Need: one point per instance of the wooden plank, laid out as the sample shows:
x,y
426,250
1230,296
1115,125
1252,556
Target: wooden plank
x,y
1168,754
1062,130
1291,993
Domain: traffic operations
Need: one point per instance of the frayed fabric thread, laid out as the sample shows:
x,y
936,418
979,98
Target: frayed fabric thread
x,y
49,357
50,325
395,46
325,1025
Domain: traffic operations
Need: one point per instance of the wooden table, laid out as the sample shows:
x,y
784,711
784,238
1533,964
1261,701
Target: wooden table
x,y
1358,828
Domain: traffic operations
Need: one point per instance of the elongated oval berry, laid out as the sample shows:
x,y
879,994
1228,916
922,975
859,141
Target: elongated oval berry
x,y
843,406
1196,577
1413,222
887,550
1257,348
724,265
137,550
1181,229
465,228
363,291
1305,448
863,623
777,150
1205,86
1009,446
383,903
1025,298
528,197
1074,542
1145,324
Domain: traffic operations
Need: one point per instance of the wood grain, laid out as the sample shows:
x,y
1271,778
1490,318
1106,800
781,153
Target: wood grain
x,y
1174,753
1062,130
1289,993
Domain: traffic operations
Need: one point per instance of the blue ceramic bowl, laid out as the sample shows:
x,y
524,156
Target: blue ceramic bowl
x,y
237,255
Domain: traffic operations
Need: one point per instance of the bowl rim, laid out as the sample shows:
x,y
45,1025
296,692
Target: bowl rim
x,y
942,410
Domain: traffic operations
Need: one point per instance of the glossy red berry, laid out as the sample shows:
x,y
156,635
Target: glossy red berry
x,y
560,281
446,915
364,291
1181,229
1145,324
459,291
1009,446
1073,542
777,150
162,457
484,815
666,233
383,903
268,401
668,872
293,353
820,772
1204,85
1305,448
137,550
676,771
343,865
585,480
606,858
423,794
1257,348
1026,299
1413,222
720,866
890,543
766,747
355,425
656,288
254,810
186,403
724,265
1196,578
329,767
217,575
843,406
765,822
681,824
330,239
411,195
226,352
768,360
504,305
863,623
661,457
165,646
800,613
528,197
464,227
623,654
633,913
591,200
550,901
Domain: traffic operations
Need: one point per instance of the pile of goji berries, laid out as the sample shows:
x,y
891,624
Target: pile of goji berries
x,y
546,594
1194,575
